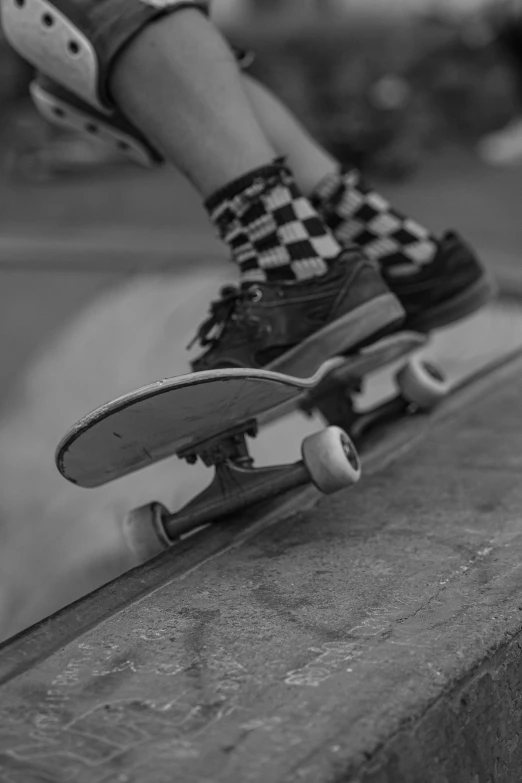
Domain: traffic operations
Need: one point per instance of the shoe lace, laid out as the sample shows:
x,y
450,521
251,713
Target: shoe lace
x,y
224,311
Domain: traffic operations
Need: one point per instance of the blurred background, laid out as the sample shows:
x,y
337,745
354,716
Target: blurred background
x,y
105,268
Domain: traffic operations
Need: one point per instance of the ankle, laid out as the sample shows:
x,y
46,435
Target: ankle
x,y
272,230
357,214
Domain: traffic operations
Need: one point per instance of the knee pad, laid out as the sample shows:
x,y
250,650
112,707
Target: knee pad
x,y
66,110
75,43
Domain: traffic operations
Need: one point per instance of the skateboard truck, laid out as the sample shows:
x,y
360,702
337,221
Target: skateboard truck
x,y
329,460
329,457
217,449
421,386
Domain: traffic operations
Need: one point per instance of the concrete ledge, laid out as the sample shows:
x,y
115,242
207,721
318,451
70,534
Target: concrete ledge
x,y
373,638
471,733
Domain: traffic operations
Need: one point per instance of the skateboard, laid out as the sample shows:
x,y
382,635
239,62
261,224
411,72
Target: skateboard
x,y
210,415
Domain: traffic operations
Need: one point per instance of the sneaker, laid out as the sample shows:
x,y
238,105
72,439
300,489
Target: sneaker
x,y
452,286
294,327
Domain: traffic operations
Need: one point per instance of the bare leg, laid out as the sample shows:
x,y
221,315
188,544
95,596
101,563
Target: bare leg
x,y
309,161
181,86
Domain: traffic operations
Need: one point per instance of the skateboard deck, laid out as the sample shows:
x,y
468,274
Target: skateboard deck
x,y
174,415
208,416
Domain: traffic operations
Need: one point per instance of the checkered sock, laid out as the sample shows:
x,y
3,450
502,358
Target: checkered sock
x,y
357,214
273,231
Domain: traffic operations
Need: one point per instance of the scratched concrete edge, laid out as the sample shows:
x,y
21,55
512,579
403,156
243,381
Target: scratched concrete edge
x,y
37,643
422,744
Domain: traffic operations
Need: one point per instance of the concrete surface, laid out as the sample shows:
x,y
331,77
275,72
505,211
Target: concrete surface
x,y
376,638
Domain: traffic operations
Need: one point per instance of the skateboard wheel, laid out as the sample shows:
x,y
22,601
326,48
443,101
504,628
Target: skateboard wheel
x,y
331,460
422,383
144,531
